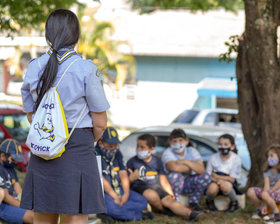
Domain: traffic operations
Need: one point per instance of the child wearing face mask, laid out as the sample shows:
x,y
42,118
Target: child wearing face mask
x,y
147,177
269,195
185,169
224,168
10,153
121,202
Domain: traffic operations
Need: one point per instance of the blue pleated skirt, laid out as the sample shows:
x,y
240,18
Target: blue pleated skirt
x,y
66,185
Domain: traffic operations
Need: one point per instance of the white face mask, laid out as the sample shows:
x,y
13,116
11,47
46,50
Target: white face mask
x,y
143,154
178,147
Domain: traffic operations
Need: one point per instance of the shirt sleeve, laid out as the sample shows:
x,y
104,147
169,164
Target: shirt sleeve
x,y
95,94
236,169
120,161
129,165
195,155
167,156
160,167
266,174
27,100
209,167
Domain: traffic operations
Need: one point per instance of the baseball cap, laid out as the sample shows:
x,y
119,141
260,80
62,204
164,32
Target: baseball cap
x,y
13,148
111,136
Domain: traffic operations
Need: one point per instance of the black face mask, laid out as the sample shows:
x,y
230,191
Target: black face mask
x,y
224,151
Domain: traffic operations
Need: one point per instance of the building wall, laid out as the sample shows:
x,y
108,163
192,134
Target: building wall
x,y
181,69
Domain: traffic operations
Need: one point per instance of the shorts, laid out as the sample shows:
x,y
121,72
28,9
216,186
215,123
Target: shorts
x,y
157,188
11,214
275,195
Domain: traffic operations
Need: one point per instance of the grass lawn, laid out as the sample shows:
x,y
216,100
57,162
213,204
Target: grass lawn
x,y
242,216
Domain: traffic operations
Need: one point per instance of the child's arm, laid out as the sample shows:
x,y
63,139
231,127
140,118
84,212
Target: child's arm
x,y
266,184
133,175
125,185
177,166
10,200
197,166
220,177
17,188
110,191
276,186
165,184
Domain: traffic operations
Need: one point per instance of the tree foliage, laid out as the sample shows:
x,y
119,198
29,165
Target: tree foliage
x,y
96,43
16,15
145,6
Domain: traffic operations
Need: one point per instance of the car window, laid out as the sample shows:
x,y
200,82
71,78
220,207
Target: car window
x,y
211,119
186,117
229,120
17,125
205,150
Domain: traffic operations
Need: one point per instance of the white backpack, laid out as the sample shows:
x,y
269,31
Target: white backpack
x,y
48,132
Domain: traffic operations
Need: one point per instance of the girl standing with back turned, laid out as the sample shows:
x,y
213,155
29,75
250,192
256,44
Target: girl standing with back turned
x,y
68,186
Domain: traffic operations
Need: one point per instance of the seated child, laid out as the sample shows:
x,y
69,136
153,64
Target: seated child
x,y
185,168
121,202
269,195
148,178
224,168
10,153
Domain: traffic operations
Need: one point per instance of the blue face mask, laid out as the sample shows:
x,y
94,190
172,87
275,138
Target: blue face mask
x,y
7,164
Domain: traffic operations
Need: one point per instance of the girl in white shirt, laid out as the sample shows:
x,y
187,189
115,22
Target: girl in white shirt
x,y
224,168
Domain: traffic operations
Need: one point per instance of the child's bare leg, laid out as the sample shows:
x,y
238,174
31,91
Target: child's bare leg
x,y
44,218
153,199
212,190
176,207
269,201
251,194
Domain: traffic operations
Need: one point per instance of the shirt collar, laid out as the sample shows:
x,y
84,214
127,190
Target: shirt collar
x,y
63,53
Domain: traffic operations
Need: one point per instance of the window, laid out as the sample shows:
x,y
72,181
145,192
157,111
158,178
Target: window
x,y
211,119
186,117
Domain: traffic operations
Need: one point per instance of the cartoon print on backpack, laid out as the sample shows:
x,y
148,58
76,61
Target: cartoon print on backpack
x,y
46,131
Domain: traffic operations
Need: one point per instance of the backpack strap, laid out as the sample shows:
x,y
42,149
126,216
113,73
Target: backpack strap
x,y
66,71
76,123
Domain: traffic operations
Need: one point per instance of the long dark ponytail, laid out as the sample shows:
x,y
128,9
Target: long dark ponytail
x,y
62,29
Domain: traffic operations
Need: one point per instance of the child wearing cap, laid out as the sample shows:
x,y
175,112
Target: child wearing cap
x,y
148,178
10,153
121,202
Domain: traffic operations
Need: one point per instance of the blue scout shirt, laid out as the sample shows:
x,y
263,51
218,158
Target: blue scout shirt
x,y
117,164
149,172
81,84
6,180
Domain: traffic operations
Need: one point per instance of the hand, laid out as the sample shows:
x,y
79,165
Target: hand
x,y
117,200
124,198
263,209
134,175
214,177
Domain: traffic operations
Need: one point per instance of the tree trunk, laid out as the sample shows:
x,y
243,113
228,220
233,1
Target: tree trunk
x,y
258,77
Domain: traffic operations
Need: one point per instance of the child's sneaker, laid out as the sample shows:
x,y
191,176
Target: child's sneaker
x,y
275,219
257,214
211,205
233,206
147,215
195,207
194,216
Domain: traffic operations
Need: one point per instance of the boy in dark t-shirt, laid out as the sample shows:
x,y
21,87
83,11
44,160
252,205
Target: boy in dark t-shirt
x,y
148,178
121,202
10,153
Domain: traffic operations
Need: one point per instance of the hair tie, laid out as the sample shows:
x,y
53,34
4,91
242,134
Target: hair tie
x,y
54,50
